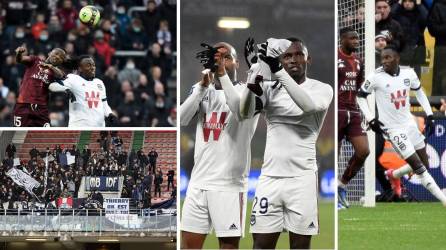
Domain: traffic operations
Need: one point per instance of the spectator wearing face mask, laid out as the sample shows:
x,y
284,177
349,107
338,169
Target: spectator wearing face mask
x,y
122,19
159,109
129,73
103,48
136,38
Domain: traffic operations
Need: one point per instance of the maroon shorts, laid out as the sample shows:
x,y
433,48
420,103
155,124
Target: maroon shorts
x,y
349,124
31,115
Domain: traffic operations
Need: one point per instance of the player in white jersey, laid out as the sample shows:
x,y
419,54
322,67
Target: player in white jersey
x,y
216,196
295,107
88,107
392,84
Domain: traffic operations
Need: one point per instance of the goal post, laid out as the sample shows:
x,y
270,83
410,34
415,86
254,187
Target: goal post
x,y
369,62
359,14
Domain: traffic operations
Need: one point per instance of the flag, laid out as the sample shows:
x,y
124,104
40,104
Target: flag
x,y
65,202
23,180
71,159
16,162
49,157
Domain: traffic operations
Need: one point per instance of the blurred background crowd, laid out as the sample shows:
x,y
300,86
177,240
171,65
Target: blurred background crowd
x,y
134,48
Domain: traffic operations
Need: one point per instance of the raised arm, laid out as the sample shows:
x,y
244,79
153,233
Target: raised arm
x,y
191,105
20,57
308,103
231,95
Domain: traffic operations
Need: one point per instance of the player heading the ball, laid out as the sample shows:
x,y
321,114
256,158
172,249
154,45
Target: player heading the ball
x,y
88,105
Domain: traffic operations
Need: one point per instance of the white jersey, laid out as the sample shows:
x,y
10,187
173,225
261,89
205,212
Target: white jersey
x,y
222,154
392,95
88,110
292,134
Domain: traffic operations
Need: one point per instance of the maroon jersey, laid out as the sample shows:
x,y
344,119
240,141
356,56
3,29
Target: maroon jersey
x,y
35,82
350,78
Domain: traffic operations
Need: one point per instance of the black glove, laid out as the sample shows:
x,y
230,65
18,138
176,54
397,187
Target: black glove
x,y
429,125
255,87
111,120
250,52
273,62
206,57
70,95
375,125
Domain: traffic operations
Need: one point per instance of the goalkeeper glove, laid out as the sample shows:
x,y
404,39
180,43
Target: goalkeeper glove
x,y
111,120
375,125
273,62
70,95
250,52
430,126
207,57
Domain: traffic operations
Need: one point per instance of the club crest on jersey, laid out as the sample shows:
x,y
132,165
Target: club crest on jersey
x,y
253,219
92,99
406,82
398,98
213,125
99,86
366,84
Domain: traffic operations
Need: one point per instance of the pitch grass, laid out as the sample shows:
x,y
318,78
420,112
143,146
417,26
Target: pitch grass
x,y
393,226
325,240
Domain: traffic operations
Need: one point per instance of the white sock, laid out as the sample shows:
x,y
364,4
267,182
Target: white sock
x,y
398,173
430,184
342,185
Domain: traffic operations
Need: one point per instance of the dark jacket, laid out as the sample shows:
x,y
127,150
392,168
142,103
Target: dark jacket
x,y
436,22
413,23
395,30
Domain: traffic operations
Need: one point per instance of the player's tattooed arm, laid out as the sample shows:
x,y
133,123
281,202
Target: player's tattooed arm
x,y
20,56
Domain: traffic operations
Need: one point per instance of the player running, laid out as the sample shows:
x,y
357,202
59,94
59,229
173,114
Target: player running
x,y
88,106
216,196
295,107
350,76
392,84
31,109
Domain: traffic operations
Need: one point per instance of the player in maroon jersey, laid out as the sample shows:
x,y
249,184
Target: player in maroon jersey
x,y
31,109
350,78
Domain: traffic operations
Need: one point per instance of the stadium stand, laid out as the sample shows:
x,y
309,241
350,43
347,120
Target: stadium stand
x,y
134,48
99,187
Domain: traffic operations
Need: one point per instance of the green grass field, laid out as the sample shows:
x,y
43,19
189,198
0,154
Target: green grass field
x,y
325,240
393,226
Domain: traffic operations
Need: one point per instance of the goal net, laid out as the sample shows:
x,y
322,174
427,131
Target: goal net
x,y
352,13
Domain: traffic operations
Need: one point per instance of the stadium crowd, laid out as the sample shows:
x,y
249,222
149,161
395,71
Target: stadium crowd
x,y
137,85
403,23
63,181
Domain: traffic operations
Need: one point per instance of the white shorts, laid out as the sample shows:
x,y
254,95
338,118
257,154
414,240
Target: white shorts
x,y
207,209
406,140
286,203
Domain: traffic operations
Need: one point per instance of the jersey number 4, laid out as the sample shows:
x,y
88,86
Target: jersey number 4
x,y
398,98
213,125
92,99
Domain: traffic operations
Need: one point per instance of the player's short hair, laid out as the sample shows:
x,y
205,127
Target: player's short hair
x,y
386,1
346,30
393,48
298,40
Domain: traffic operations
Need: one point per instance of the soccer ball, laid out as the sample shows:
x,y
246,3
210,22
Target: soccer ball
x,y
89,15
